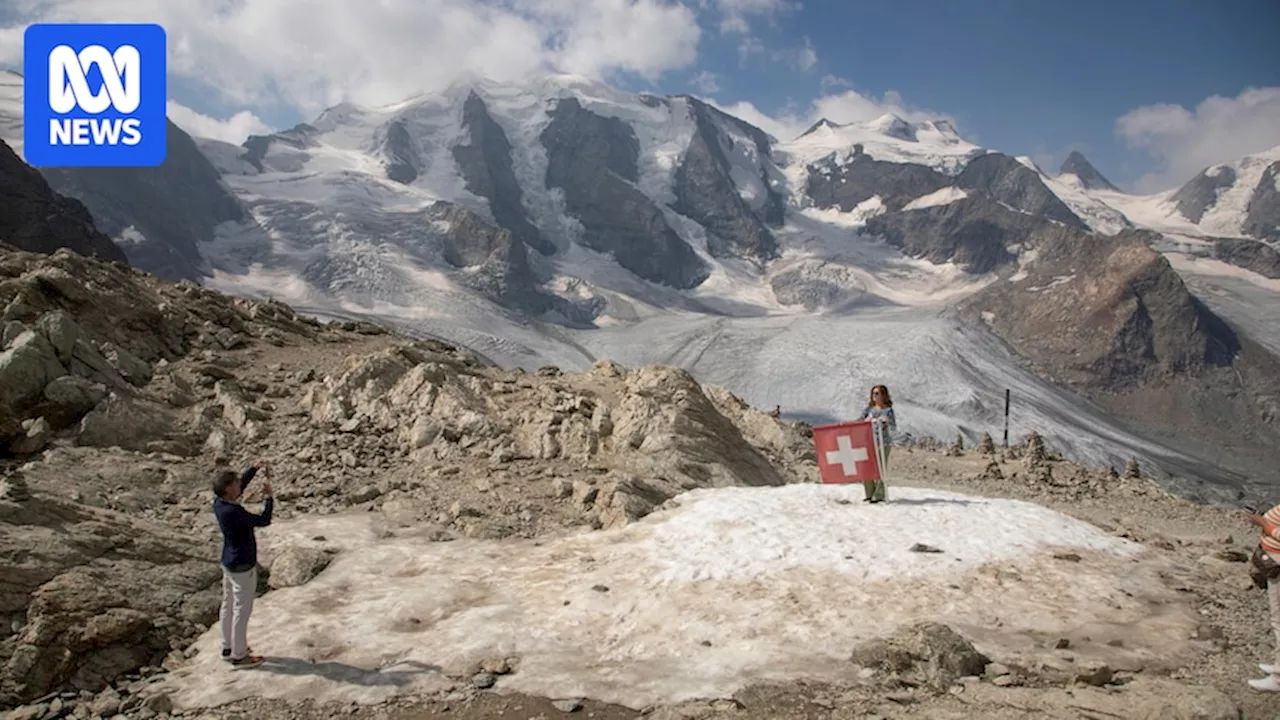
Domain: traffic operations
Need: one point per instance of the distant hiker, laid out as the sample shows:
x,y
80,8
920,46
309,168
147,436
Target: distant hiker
x,y
239,558
1266,561
880,411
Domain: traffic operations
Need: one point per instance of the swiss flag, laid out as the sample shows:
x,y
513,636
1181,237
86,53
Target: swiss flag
x,y
847,452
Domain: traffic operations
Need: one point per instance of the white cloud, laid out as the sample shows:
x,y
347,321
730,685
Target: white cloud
x,y
734,13
830,82
706,82
806,56
1220,129
311,54
748,46
845,107
235,129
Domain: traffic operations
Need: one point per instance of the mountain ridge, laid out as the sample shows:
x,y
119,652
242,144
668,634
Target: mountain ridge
x,y
512,217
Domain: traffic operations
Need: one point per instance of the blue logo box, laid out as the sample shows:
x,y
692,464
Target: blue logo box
x,y
94,95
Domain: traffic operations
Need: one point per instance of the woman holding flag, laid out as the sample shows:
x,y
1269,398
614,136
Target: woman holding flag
x,y
879,411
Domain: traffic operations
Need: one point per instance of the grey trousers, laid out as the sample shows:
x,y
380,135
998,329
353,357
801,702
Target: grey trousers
x,y
238,590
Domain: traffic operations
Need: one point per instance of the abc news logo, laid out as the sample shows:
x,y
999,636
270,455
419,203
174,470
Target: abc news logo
x,y
94,95
69,89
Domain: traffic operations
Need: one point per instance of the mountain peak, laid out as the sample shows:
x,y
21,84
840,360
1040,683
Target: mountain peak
x,y
894,126
1077,164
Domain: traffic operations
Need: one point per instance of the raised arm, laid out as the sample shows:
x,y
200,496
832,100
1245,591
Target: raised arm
x,y
243,517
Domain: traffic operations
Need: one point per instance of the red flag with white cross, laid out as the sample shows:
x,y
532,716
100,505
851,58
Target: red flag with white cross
x,y
847,452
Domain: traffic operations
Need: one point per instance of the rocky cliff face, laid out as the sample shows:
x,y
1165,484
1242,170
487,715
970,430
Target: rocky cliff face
x,y
162,214
706,192
1251,255
33,217
974,232
1078,165
1201,191
486,165
593,159
847,184
1014,184
1111,319
1262,220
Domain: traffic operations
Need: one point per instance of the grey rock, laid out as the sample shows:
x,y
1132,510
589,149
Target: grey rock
x,y
12,329
487,168
297,566
26,367
929,653
706,191
1010,182
1262,219
1201,192
484,680
593,159
131,368
61,331
403,161
1076,164
68,398
845,182
567,706
1249,254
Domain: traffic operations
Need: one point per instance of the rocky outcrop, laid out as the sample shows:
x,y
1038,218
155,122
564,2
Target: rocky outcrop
x,y
81,339
1010,182
1109,311
159,215
1262,220
88,594
974,232
486,166
1201,192
706,192
287,148
35,218
926,653
845,184
1249,254
1078,165
593,159
402,160
497,263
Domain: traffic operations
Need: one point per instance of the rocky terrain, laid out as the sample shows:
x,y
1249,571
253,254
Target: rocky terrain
x,y
123,393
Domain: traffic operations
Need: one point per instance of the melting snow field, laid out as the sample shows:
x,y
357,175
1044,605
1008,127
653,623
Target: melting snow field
x,y
724,588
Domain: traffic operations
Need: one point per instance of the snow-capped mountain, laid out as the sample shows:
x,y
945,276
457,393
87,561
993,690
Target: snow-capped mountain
x,y
559,220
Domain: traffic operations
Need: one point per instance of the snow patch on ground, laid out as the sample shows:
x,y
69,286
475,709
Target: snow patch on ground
x,y
945,196
728,587
933,146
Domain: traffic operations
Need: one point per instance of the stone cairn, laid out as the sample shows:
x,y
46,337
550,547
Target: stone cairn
x,y
1132,471
14,488
957,446
986,445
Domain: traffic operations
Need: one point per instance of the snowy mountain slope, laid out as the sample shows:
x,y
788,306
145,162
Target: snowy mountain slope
x,y
558,220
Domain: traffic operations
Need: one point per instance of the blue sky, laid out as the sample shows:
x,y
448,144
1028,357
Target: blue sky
x,y
1150,91
1029,78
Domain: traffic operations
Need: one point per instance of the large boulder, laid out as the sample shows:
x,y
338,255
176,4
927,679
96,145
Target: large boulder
x,y
96,594
29,364
926,653
297,566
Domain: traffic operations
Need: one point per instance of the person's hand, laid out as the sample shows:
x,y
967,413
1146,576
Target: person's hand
x,y
260,463
266,489
1251,518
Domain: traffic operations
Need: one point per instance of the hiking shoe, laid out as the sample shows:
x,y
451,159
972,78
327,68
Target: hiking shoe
x,y
1269,669
247,661
1266,684
226,653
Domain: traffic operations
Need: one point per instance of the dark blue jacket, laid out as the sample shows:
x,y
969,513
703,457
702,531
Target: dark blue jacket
x,y
239,546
